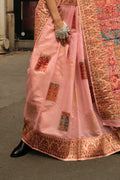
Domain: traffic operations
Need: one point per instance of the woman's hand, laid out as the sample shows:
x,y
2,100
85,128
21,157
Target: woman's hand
x,y
62,32
58,23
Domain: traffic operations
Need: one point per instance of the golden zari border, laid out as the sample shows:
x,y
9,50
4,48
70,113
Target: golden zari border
x,y
108,106
72,149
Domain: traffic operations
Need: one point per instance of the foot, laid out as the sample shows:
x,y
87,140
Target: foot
x,y
20,150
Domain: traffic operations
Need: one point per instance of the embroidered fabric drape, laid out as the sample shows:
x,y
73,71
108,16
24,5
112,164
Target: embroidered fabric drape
x,y
73,92
101,27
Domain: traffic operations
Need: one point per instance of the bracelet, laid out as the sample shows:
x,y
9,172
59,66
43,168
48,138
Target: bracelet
x,y
63,32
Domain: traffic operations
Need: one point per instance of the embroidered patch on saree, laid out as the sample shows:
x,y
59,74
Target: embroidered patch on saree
x,y
52,91
42,63
64,121
83,70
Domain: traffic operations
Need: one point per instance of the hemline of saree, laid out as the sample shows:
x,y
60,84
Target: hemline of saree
x,y
67,149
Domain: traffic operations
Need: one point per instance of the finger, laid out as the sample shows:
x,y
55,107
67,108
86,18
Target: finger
x,y
67,40
63,42
58,40
69,32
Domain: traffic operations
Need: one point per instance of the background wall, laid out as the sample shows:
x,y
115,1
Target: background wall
x,y
10,23
6,25
16,24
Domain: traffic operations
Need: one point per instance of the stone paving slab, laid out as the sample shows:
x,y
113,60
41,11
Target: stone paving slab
x,y
13,69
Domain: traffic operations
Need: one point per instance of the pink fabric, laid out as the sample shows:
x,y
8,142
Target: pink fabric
x,y
74,93
74,97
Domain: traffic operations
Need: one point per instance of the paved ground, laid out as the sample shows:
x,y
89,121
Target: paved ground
x,y
35,165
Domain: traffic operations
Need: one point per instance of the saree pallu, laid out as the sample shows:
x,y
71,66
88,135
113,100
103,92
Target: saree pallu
x,y
72,92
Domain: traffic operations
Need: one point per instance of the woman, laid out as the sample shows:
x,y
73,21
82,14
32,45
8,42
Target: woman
x,y
72,109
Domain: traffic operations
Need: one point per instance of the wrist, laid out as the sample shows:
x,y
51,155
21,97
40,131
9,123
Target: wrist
x,y
58,24
57,20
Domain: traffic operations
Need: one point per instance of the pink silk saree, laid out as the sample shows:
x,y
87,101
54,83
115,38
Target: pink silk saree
x,y
72,109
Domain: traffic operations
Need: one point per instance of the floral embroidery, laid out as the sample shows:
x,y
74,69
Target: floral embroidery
x,y
115,82
64,121
83,70
42,63
72,149
101,39
52,91
111,61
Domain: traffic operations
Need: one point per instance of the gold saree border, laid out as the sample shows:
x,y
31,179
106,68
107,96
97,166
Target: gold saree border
x,y
107,104
41,16
72,149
